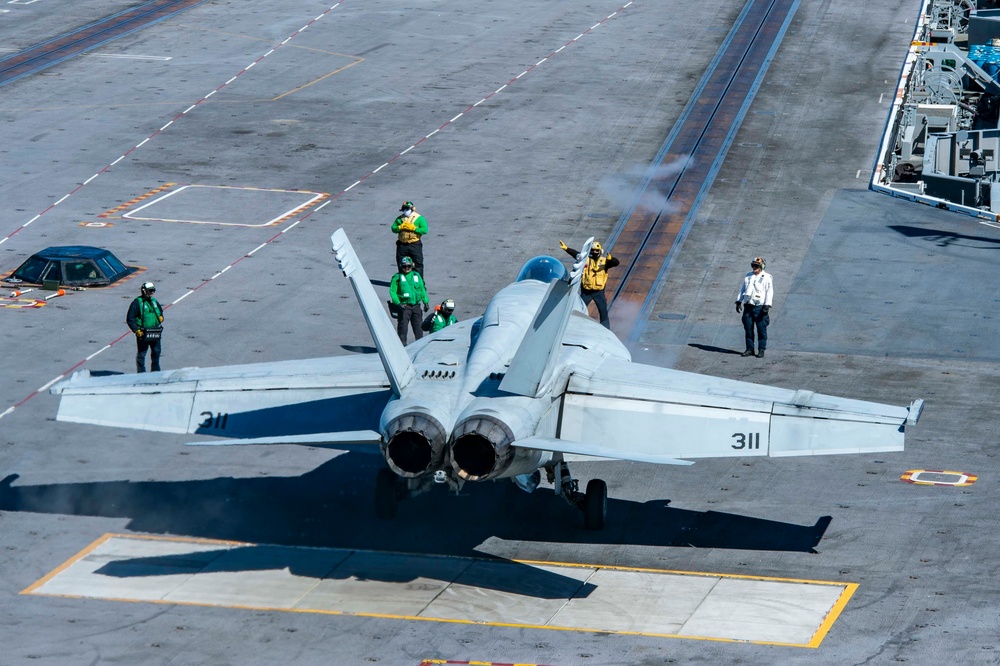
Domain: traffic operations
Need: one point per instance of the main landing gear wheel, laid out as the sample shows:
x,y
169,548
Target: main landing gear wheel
x,y
595,504
386,494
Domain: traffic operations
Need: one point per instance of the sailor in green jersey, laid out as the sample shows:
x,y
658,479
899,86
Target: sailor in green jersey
x,y
144,318
407,291
443,315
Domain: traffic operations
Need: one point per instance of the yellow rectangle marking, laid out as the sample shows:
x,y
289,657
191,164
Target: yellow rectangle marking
x,y
814,642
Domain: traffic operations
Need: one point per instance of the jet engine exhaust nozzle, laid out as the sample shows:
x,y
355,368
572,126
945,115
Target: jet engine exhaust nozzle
x,y
415,445
481,448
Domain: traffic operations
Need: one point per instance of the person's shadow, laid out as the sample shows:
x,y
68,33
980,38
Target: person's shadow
x,y
717,350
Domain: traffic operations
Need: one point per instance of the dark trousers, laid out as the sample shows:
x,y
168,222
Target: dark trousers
x,y
753,316
409,315
599,299
154,354
414,251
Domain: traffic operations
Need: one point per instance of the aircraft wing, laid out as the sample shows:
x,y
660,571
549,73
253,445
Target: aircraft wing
x,y
648,412
278,399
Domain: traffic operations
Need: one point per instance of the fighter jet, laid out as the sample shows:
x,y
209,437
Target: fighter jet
x,y
531,385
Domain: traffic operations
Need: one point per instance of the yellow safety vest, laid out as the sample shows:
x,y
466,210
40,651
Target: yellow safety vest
x,y
595,274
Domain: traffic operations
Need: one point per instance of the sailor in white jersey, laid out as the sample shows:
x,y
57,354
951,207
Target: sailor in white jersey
x,y
754,301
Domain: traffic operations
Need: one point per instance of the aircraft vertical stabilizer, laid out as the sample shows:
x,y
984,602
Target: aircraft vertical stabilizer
x,y
535,360
394,358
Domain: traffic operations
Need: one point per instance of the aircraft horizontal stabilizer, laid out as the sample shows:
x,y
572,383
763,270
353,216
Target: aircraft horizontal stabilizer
x,y
596,451
645,410
361,441
259,400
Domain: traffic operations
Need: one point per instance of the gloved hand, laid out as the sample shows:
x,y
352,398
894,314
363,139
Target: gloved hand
x,y
563,246
766,309
407,226
427,306
739,306
139,333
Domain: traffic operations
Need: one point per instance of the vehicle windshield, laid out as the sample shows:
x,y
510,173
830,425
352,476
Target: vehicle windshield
x,y
544,269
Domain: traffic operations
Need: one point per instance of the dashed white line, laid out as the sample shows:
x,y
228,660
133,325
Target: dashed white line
x,y
595,26
292,225
456,117
433,133
9,409
479,102
44,387
540,62
32,220
91,178
189,292
381,167
142,143
188,109
406,151
323,205
521,74
234,78
65,196
580,36
357,182
500,88
167,125
211,93
259,247
250,65
118,160
98,352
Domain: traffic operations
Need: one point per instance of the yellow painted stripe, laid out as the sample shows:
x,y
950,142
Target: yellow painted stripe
x,y
834,614
68,563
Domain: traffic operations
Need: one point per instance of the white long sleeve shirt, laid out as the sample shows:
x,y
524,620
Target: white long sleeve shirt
x,y
756,289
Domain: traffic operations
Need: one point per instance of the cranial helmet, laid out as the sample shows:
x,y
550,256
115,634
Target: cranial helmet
x,y
448,304
406,261
758,261
406,204
595,246
148,286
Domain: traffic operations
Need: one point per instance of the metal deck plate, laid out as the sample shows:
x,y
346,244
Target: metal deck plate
x,y
538,595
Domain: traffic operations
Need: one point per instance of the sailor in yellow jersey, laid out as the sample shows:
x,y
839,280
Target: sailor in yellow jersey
x,y
595,278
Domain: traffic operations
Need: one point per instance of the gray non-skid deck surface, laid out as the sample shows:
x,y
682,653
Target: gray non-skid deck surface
x,y
555,155
540,595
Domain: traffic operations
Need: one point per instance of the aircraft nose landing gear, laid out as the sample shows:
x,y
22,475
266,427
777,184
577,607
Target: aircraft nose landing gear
x,y
593,503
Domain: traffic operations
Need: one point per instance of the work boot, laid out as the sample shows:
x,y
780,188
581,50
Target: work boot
x,y
748,352
760,354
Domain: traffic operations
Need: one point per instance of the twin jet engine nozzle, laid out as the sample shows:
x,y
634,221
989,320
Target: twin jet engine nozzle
x,y
414,444
482,444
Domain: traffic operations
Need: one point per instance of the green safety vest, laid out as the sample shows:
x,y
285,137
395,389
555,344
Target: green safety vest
x,y
150,313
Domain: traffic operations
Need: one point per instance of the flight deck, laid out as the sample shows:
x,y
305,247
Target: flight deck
x,y
218,148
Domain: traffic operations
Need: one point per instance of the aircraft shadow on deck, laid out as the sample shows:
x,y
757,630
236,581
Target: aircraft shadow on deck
x,y
947,237
511,577
332,507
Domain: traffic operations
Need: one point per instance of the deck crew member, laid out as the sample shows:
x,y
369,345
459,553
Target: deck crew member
x,y
409,227
407,291
444,315
754,301
595,278
145,319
